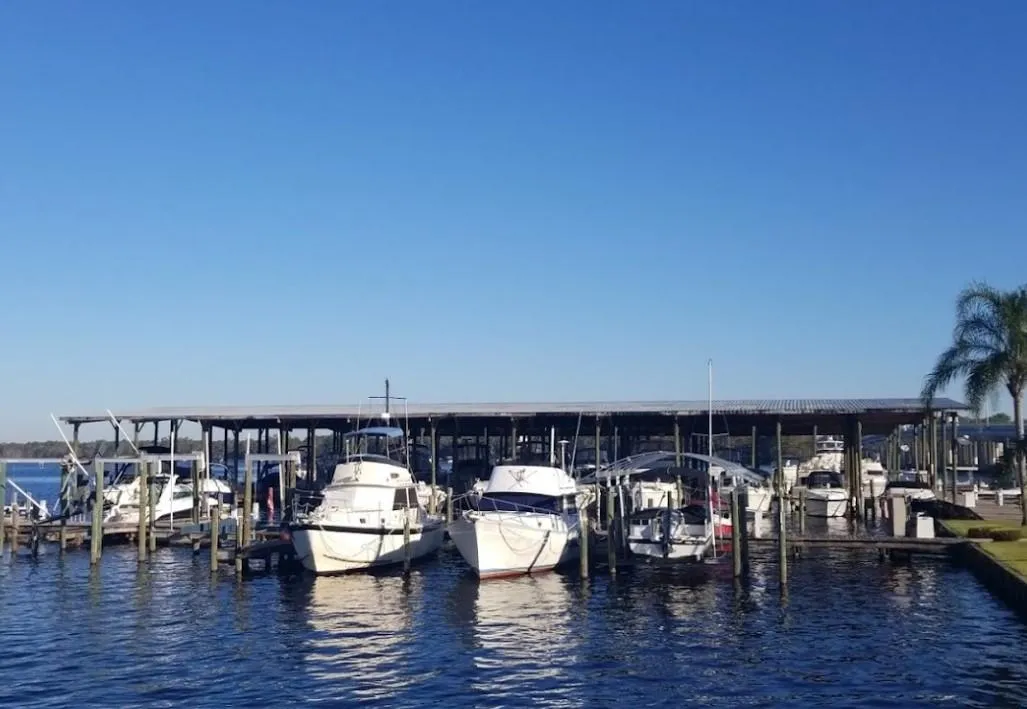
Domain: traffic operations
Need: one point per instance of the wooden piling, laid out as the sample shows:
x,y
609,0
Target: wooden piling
x,y
611,545
449,505
96,535
3,501
151,537
782,541
802,510
63,509
434,466
954,419
215,533
246,518
15,525
583,536
858,456
142,473
407,551
737,524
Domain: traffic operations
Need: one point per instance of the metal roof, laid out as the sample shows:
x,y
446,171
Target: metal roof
x,y
757,407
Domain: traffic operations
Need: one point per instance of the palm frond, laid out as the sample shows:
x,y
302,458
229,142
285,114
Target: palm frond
x,y
984,377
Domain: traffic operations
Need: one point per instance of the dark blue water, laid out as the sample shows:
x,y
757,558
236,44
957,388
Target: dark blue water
x,y
852,632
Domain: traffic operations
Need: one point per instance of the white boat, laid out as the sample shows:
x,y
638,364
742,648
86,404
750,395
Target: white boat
x,y
875,478
665,533
525,520
368,510
122,500
913,489
826,495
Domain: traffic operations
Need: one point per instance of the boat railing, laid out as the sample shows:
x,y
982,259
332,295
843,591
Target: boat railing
x,y
305,503
476,502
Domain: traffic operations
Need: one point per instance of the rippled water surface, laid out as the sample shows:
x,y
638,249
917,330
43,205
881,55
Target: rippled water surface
x,y
852,632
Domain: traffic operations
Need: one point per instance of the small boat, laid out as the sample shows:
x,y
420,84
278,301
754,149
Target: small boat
x,y
665,533
370,514
875,478
121,501
914,489
826,495
525,520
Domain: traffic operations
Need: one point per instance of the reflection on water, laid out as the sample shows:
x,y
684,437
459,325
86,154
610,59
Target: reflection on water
x,y
853,632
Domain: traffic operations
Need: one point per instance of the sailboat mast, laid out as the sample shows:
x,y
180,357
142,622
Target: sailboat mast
x,y
709,438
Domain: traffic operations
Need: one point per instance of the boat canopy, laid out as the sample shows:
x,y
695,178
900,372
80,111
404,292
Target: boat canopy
x,y
645,463
387,431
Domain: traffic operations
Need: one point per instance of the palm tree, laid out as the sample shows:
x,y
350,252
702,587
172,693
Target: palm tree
x,y
989,350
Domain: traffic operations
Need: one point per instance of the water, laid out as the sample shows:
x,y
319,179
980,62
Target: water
x,y
853,632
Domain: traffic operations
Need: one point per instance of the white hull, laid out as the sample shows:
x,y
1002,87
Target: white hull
x,y
826,503
687,541
327,550
688,549
513,543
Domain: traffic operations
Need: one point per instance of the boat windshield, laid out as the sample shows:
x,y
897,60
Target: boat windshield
x,y
385,443
516,502
824,478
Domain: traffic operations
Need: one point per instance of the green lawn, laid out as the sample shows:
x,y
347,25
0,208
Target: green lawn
x,y
1011,554
959,527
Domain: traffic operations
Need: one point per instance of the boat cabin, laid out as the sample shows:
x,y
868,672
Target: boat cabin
x,y
824,479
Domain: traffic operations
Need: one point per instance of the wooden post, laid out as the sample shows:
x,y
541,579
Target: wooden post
x,y
737,523
63,507
932,469
144,507
247,502
954,418
3,502
802,510
677,442
15,525
215,531
449,505
782,542
858,467
96,535
155,466
754,452
611,511
434,466
583,536
406,541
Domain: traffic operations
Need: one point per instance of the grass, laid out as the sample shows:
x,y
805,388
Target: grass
x,y
1011,554
960,527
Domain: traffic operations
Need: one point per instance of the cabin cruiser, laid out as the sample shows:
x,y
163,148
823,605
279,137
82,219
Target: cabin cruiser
x,y
370,514
524,520
826,495
172,499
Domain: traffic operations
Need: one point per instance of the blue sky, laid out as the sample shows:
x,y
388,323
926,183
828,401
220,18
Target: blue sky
x,y
238,202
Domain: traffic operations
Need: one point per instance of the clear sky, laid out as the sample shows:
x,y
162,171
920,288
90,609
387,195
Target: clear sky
x,y
280,202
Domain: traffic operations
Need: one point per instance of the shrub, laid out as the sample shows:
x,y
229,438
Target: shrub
x,y
1006,535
